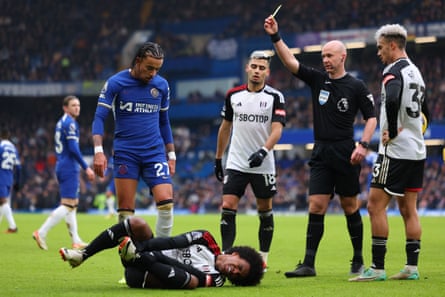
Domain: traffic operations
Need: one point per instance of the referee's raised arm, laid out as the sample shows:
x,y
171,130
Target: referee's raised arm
x,y
283,51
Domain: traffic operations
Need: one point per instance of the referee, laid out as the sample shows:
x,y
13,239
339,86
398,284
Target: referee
x,y
335,162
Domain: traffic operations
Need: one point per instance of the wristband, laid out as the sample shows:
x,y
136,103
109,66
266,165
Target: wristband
x,y
275,37
364,144
265,148
98,149
171,155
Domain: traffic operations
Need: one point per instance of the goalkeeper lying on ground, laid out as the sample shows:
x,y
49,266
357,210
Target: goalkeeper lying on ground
x,y
194,257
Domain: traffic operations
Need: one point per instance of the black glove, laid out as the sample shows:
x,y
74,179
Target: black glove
x,y
16,187
219,172
257,158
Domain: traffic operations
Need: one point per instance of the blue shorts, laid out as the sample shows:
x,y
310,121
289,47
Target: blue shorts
x,y
69,184
5,191
152,167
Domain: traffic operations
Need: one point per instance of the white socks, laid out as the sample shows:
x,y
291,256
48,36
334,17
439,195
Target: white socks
x,y
71,223
110,205
164,223
5,210
62,212
55,217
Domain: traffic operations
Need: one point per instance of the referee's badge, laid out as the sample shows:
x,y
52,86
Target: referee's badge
x,y
323,97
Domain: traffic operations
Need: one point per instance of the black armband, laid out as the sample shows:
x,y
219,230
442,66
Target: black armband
x,y
275,37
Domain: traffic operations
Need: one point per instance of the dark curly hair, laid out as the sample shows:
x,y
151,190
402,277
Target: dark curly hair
x,y
149,49
255,260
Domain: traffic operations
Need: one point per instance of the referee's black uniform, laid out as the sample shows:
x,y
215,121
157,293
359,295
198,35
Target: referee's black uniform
x,y
335,104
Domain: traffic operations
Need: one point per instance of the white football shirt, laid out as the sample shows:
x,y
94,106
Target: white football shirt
x,y
409,143
252,114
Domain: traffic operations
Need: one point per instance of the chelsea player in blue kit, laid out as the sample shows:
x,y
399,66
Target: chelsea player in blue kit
x,y
9,177
66,140
139,99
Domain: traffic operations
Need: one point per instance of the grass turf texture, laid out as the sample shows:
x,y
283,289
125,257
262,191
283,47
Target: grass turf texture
x,y
28,271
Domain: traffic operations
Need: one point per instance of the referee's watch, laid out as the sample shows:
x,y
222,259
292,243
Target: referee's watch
x,y
364,144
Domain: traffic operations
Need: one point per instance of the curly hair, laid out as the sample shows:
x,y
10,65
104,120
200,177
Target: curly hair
x,y
151,49
255,260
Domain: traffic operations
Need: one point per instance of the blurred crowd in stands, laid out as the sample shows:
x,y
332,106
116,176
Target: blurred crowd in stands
x,y
71,40
82,40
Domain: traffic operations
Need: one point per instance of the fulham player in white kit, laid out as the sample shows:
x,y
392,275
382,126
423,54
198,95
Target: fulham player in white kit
x,y
398,171
253,119
186,261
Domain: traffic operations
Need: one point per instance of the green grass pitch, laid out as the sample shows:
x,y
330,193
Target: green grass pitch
x,y
28,271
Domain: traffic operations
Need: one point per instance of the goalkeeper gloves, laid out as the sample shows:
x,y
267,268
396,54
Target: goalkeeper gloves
x,y
257,158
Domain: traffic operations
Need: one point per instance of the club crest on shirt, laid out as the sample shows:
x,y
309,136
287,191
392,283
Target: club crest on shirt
x,y
154,92
323,97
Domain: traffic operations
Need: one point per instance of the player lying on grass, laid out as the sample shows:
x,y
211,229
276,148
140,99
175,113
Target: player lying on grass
x,y
193,258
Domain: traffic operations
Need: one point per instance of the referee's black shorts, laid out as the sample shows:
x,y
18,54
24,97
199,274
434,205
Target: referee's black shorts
x,y
331,169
